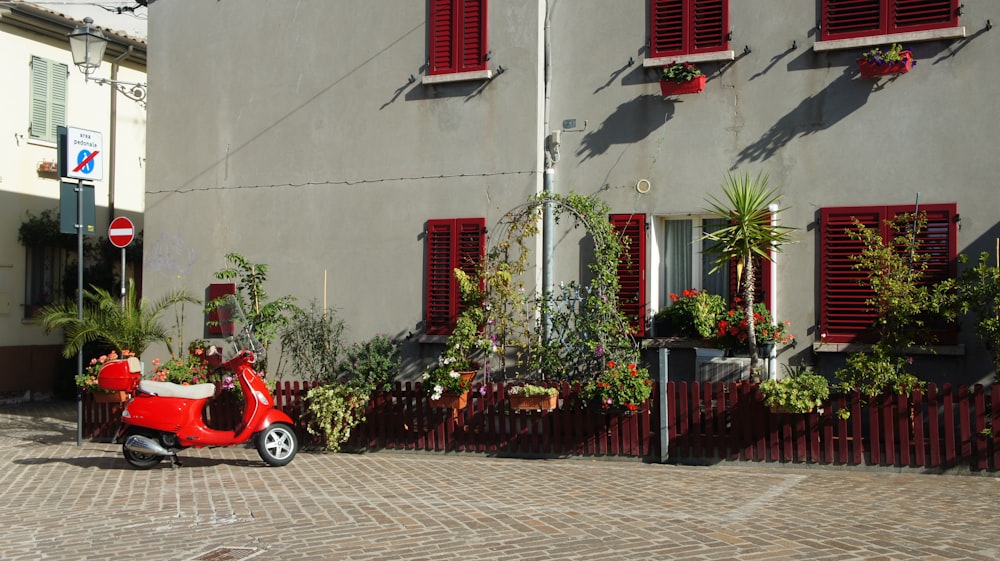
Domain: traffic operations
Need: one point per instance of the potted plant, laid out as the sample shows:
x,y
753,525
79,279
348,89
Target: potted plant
x,y
681,78
800,391
877,62
447,386
732,330
88,380
619,386
448,383
692,314
751,233
532,397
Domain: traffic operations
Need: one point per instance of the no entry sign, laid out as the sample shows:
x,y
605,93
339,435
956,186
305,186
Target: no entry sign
x,y
121,232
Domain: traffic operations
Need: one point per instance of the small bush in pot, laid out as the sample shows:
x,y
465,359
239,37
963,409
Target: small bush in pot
x,y
800,391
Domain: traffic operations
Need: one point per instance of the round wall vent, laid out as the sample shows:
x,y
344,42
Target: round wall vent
x,y
643,186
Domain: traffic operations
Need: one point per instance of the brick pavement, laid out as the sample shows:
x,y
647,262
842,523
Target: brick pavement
x,y
60,501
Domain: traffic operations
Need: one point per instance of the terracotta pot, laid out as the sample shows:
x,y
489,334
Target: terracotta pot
x,y
450,400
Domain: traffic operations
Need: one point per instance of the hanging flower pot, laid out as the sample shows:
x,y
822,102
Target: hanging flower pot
x,y
692,86
876,62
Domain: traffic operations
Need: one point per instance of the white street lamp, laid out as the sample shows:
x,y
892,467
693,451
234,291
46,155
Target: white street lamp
x,y
87,44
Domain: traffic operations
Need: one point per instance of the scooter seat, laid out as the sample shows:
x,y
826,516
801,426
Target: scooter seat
x,y
170,389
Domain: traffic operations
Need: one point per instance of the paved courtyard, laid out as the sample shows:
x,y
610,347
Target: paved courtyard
x,y
60,501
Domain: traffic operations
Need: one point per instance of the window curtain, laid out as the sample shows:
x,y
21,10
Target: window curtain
x,y
677,257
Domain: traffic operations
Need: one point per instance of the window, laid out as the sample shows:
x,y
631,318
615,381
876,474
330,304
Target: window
x,y
457,36
844,315
684,27
686,265
454,243
44,272
845,19
631,229
48,98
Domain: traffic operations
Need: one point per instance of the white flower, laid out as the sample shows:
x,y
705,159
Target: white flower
x,y
454,374
426,375
438,390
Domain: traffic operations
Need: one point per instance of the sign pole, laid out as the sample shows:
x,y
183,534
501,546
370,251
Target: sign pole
x,y
123,279
79,306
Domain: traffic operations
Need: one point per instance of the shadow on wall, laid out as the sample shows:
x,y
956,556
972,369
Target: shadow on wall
x,y
816,113
630,123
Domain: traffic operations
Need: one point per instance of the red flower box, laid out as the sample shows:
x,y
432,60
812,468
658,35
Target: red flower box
x,y
872,69
693,86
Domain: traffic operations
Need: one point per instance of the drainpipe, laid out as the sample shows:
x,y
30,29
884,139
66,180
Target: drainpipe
x,y
113,135
772,359
551,153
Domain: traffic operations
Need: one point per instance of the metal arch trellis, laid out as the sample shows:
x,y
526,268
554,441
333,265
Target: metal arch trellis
x,y
588,327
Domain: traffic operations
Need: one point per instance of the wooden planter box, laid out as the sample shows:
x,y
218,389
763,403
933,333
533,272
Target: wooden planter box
x,y
872,70
670,87
533,402
111,397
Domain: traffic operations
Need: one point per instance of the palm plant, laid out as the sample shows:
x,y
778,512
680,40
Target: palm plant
x,y
750,233
130,325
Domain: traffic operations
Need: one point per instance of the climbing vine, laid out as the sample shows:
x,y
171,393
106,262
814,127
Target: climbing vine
x,y
569,333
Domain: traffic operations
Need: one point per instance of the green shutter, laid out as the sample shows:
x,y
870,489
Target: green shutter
x,y
48,98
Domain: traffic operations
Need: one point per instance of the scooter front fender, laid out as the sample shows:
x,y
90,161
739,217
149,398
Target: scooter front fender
x,y
271,417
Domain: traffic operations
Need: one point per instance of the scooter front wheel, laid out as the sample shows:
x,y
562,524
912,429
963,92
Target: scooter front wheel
x,y
277,444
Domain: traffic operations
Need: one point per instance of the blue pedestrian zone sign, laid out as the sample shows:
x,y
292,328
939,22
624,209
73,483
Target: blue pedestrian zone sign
x,y
84,154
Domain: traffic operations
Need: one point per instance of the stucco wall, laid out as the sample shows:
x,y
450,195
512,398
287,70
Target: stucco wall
x,y
295,137
23,189
299,141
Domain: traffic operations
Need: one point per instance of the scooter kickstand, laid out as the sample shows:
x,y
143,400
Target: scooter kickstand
x,y
174,462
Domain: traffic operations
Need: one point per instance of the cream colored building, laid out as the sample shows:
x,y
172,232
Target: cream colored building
x,y
41,89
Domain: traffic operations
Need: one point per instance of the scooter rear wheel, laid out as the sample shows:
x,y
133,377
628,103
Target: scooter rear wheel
x,y
139,460
277,444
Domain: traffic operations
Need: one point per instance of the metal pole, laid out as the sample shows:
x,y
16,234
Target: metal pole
x,y
79,305
661,384
123,278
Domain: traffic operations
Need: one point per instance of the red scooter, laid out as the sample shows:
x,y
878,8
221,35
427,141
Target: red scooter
x,y
164,417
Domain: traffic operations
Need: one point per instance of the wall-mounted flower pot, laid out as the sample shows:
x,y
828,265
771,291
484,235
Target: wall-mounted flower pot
x,y
871,69
693,86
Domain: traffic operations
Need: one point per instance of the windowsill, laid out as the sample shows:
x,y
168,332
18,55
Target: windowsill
x,y
39,142
717,56
457,77
941,350
873,40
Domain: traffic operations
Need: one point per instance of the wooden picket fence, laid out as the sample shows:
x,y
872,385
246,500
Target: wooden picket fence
x,y
940,429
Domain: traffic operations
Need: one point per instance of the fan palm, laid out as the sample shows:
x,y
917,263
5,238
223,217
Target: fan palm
x,y
132,325
750,233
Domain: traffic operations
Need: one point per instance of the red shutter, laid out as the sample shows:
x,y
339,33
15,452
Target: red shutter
x,y
710,26
631,228
844,19
918,15
844,315
457,36
451,243
473,44
679,27
666,30
216,324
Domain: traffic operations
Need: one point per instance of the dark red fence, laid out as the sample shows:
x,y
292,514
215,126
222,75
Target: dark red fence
x,y
940,429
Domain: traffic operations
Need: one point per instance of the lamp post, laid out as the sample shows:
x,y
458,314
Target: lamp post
x,y
87,44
